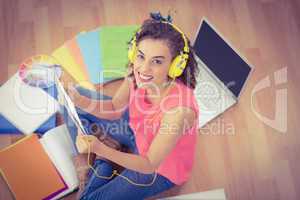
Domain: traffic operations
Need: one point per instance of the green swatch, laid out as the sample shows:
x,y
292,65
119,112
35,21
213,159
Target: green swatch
x,y
114,47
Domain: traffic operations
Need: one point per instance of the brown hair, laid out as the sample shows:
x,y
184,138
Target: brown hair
x,y
155,29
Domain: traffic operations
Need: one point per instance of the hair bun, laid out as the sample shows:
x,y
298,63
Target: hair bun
x,y
158,17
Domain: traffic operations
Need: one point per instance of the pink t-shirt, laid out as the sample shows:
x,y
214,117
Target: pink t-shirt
x,y
145,122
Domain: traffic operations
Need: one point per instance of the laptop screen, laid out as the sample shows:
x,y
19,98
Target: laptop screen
x,y
221,59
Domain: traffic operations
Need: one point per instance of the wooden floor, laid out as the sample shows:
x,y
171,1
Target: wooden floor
x,y
238,151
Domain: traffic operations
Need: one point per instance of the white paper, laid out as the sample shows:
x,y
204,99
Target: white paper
x,y
26,107
59,146
217,194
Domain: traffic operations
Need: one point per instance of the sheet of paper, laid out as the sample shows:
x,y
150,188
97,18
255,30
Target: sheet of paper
x,y
67,102
216,194
26,107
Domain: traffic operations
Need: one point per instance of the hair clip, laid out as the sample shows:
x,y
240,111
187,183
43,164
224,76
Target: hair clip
x,y
158,17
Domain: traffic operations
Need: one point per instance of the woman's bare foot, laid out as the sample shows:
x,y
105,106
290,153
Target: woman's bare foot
x,y
82,169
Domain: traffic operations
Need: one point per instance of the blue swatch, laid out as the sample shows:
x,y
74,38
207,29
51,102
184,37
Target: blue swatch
x,y
89,44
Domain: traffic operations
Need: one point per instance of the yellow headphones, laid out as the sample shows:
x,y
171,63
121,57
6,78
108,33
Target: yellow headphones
x,y
178,64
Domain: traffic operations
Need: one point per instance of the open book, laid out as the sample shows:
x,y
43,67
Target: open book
x,y
29,172
60,149
40,168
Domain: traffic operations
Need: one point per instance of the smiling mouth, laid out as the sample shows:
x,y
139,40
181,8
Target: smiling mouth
x,y
144,77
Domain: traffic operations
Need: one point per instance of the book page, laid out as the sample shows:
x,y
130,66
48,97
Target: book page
x,y
60,148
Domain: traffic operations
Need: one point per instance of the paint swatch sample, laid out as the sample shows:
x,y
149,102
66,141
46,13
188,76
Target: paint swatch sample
x,y
67,61
96,56
89,44
114,48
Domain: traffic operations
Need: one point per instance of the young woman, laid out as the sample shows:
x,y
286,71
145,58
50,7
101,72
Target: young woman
x,y
163,116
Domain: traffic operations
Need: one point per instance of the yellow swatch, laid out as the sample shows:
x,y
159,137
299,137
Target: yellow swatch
x,y
68,63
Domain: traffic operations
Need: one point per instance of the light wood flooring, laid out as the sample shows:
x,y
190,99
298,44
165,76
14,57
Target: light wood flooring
x,y
237,151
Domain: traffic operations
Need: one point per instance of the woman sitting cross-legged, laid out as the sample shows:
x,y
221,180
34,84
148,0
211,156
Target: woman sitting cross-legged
x,y
163,116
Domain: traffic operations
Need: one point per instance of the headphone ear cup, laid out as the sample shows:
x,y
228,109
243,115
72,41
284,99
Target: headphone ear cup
x,y
177,66
132,52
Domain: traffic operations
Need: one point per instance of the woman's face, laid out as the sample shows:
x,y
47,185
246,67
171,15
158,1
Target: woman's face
x,y
152,63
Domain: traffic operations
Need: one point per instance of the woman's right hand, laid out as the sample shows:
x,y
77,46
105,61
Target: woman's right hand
x,y
81,144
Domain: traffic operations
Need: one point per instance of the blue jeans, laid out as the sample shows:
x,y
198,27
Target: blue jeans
x,y
116,188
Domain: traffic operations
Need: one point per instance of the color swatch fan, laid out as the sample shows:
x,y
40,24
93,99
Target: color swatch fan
x,y
96,56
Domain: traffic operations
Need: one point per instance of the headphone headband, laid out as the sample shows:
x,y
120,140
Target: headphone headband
x,y
186,48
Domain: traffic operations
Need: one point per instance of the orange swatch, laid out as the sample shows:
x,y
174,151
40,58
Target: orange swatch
x,y
75,51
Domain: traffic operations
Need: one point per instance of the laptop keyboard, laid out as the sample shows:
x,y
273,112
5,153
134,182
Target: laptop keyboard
x,y
208,91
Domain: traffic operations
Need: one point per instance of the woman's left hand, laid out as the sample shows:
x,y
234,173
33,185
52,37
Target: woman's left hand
x,y
84,142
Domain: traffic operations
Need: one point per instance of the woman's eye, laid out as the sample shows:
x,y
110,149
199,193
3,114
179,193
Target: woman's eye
x,y
140,56
158,62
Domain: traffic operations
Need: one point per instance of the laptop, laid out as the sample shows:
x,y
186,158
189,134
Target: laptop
x,y
223,72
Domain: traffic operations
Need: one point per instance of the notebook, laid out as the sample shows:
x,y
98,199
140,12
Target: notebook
x,y
24,106
223,72
28,170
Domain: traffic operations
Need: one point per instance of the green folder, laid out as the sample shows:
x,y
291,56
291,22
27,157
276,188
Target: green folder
x,y
114,47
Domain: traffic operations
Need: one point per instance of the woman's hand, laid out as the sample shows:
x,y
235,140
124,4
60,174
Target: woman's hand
x,y
86,143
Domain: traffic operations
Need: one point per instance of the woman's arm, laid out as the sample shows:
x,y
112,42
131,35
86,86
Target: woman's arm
x,y
173,125
107,109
